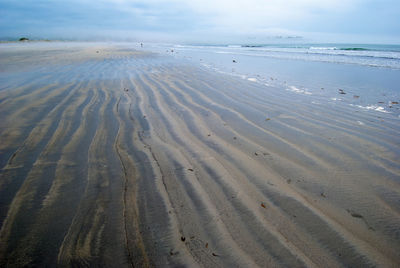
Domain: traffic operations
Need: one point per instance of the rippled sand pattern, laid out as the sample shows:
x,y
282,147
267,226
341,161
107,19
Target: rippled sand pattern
x,y
117,158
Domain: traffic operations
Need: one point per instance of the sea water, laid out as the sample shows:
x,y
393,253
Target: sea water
x,y
364,76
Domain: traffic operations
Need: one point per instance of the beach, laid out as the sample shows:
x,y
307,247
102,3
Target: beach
x,y
117,156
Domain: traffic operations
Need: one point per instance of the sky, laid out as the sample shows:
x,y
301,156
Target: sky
x,y
204,21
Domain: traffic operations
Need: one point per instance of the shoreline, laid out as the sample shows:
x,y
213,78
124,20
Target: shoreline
x,y
324,75
129,158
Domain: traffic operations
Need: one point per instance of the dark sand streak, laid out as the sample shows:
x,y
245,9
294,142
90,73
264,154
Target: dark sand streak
x,y
117,141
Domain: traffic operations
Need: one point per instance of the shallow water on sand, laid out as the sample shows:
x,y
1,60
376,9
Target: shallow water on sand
x,y
317,72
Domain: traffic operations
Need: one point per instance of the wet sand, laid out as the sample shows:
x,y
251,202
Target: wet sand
x,y
115,157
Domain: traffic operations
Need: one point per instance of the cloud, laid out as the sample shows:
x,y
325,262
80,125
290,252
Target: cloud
x,y
185,19
229,17
261,9
239,14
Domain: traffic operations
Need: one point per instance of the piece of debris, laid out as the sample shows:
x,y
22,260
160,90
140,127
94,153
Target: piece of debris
x,y
183,238
262,204
234,138
255,153
190,169
209,135
171,252
267,119
215,255
341,91
323,195
234,61
354,214
361,217
12,158
206,245
395,102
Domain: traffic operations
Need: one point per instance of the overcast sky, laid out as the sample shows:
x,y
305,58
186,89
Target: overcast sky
x,y
206,21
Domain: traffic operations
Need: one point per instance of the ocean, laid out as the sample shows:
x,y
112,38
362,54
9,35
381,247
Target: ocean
x,y
368,55
362,75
